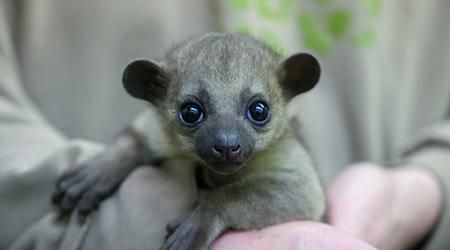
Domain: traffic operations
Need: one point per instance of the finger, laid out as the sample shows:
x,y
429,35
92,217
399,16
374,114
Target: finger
x,y
72,196
68,174
63,186
57,196
173,225
69,181
170,241
88,202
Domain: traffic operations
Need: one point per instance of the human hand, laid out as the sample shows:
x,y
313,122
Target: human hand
x,y
292,235
388,208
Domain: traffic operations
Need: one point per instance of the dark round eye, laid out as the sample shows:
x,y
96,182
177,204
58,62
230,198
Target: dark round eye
x,y
258,113
191,114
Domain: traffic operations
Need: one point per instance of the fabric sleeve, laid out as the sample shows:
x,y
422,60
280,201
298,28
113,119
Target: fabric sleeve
x,y
430,149
32,156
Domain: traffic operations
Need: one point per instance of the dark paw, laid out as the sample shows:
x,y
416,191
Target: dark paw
x,y
184,234
182,238
173,225
81,188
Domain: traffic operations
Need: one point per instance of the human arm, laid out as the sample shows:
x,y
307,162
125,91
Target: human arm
x,y
420,181
388,208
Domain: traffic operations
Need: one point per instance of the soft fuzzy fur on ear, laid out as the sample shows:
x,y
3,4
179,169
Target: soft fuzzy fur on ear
x,y
301,74
145,80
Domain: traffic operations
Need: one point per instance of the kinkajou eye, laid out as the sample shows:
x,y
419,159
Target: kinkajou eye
x,y
258,113
191,114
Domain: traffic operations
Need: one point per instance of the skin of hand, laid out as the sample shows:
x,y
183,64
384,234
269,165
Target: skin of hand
x,y
389,208
292,235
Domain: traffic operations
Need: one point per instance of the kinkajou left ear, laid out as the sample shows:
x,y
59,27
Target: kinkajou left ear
x,y
301,72
145,80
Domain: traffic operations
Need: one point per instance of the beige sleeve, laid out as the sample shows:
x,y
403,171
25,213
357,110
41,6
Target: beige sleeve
x,y
430,148
32,156
27,171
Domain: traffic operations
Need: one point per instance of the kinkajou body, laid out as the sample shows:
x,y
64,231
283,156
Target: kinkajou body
x,y
220,100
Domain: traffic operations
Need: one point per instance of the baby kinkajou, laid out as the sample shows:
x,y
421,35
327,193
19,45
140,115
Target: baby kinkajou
x,y
220,100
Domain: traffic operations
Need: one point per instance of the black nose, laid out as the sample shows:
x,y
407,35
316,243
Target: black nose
x,y
227,147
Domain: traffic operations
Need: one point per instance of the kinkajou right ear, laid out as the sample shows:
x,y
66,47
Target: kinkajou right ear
x,y
145,80
301,72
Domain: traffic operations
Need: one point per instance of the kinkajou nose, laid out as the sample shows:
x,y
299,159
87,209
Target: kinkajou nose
x,y
227,147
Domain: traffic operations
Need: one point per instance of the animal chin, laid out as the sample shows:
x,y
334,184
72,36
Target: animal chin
x,y
225,167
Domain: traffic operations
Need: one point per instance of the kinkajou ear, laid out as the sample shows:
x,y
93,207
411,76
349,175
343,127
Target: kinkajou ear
x,y
301,73
145,80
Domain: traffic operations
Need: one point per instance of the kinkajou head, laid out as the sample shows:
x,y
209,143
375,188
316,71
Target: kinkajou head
x,y
223,96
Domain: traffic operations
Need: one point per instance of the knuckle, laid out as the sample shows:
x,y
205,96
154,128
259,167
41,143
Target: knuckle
x,y
64,184
70,195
